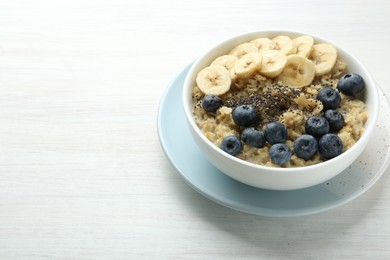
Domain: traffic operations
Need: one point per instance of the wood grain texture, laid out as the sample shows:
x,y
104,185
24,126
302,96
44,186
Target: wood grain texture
x,y
82,174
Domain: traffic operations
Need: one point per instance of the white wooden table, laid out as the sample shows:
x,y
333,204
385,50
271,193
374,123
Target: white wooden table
x,y
82,173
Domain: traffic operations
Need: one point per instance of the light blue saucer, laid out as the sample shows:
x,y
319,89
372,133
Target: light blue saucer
x,y
191,164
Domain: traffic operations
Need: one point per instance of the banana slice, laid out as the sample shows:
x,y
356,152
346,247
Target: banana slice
x,y
338,69
304,45
273,63
324,57
284,44
214,80
227,61
248,64
243,49
298,72
263,44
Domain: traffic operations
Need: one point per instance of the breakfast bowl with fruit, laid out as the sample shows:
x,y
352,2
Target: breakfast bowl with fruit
x,y
280,110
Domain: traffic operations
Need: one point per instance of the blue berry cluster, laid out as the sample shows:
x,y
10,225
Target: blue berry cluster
x,y
275,133
320,131
319,136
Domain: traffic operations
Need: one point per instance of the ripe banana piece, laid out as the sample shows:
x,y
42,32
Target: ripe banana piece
x,y
243,49
263,44
338,69
304,45
227,61
247,64
298,72
324,57
214,80
284,44
273,63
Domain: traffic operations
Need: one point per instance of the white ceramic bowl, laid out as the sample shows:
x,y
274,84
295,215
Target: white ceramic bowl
x,y
270,177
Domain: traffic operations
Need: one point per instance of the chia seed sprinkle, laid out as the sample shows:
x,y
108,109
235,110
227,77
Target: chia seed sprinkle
x,y
269,104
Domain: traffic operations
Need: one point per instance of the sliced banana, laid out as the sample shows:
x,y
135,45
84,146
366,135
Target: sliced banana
x,y
304,45
227,61
324,57
284,44
298,72
248,64
263,44
273,63
338,69
214,80
243,49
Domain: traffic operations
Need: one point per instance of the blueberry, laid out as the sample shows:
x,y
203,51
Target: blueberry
x,y
330,146
211,103
280,153
305,147
253,137
329,97
317,126
231,144
275,132
245,115
335,120
351,84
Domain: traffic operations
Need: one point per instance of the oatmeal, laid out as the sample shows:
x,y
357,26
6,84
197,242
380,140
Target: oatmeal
x,y
301,87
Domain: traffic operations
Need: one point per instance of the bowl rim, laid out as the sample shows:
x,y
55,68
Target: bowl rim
x,y
368,127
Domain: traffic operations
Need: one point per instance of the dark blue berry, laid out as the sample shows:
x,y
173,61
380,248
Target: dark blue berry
x,y
231,144
329,97
305,147
280,154
275,132
351,84
317,126
253,137
335,120
245,115
211,103
330,146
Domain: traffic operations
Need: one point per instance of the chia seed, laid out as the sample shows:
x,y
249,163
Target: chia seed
x,y
270,105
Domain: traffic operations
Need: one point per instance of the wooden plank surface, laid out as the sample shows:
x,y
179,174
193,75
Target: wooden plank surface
x,y
82,174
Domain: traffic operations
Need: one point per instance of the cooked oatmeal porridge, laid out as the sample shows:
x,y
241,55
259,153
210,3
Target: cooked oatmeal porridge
x,y
291,81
